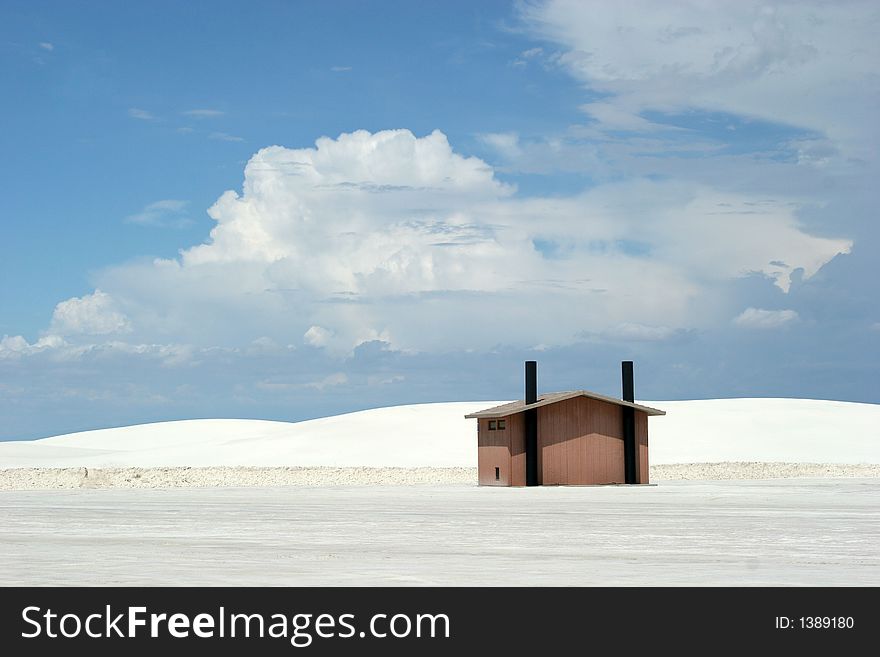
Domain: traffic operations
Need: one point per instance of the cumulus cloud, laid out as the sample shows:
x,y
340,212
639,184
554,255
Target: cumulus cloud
x,y
45,45
93,314
758,318
391,238
16,346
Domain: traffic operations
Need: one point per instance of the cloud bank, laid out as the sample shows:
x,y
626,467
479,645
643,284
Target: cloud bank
x,y
393,237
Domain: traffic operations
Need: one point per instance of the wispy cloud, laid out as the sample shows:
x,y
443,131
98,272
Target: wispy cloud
x,y
660,59
224,136
140,114
526,55
45,45
340,69
203,113
759,318
505,143
635,332
337,379
167,212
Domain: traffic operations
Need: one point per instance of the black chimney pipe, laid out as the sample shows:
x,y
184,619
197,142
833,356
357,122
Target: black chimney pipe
x,y
630,449
531,382
628,387
531,424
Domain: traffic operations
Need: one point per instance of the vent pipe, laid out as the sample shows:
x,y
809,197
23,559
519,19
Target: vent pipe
x,y
531,424
630,449
628,388
531,382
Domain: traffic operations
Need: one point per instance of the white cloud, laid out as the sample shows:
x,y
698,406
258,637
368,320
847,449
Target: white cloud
x,y
13,343
505,143
60,350
140,114
93,314
45,45
351,204
632,331
340,69
203,113
161,213
758,318
734,235
747,58
264,345
13,347
527,55
618,116
337,379
374,380
813,152
223,136
317,336
398,240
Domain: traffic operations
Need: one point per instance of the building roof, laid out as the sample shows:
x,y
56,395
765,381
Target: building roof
x,y
513,408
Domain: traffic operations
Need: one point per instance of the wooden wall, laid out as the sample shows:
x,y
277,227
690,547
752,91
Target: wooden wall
x,y
580,441
642,442
517,431
493,452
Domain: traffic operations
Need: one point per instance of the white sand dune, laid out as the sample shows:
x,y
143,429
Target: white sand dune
x,y
432,435
765,430
438,436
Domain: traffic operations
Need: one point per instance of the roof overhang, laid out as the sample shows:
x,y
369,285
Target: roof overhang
x,y
520,406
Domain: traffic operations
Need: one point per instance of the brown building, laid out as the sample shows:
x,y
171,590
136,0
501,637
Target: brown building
x,y
577,437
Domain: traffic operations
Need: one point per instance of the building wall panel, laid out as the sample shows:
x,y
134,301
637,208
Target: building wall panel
x,y
580,441
642,442
516,432
493,451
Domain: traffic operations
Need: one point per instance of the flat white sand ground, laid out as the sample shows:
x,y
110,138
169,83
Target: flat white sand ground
x,y
774,532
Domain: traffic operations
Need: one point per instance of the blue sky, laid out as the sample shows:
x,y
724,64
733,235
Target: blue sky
x,y
283,210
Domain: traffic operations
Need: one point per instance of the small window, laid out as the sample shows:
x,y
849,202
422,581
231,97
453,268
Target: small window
x,y
502,424
492,425
497,474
